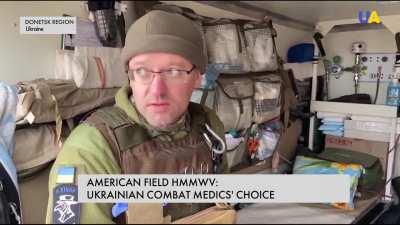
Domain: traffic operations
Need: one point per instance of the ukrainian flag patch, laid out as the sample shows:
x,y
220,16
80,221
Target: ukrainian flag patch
x,y
66,175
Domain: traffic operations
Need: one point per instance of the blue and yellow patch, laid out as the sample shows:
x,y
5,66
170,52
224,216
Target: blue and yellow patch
x,y
65,175
66,208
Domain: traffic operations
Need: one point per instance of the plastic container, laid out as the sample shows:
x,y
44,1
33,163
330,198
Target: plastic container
x,y
393,93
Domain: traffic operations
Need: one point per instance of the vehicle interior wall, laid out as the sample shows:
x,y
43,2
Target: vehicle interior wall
x,y
339,43
335,43
26,57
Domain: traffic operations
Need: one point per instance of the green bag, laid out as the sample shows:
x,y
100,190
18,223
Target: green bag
x,y
372,179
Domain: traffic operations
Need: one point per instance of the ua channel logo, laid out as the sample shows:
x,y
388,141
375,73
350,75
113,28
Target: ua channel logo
x,y
366,17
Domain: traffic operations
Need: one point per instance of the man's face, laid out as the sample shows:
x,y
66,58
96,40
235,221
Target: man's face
x,y
161,102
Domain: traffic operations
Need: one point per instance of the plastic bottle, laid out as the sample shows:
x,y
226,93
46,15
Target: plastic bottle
x,y
393,93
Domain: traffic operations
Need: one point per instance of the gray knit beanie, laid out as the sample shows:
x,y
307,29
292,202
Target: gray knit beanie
x,y
160,31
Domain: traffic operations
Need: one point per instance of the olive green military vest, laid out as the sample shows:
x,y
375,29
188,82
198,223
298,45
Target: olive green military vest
x,y
137,153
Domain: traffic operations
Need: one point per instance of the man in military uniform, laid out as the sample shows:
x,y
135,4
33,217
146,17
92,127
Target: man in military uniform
x,y
151,129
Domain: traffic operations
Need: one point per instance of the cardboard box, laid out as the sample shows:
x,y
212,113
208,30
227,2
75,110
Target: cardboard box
x,y
370,126
367,135
375,148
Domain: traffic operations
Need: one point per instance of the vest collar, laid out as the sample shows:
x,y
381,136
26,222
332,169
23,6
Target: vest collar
x,y
123,101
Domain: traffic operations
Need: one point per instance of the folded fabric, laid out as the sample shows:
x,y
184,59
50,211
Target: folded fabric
x,y
308,165
8,102
333,123
334,133
328,127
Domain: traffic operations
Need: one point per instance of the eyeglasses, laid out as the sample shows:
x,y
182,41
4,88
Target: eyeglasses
x,y
146,76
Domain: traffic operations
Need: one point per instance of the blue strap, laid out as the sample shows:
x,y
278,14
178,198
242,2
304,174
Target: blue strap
x,y
119,208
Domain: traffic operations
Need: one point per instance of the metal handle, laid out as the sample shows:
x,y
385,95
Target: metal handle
x,y
318,37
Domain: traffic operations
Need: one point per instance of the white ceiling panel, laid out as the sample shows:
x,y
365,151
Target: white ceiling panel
x,y
304,15
315,11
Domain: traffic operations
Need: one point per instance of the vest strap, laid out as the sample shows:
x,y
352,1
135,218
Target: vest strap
x,y
123,131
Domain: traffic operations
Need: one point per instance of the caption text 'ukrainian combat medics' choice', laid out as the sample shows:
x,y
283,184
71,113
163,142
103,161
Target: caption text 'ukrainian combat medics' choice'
x,y
214,188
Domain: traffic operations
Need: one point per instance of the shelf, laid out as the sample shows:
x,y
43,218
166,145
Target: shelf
x,y
354,109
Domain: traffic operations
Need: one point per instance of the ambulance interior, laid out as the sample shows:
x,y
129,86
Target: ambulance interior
x,y
352,74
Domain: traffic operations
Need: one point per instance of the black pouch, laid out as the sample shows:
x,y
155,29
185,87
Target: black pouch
x,y
355,98
371,181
